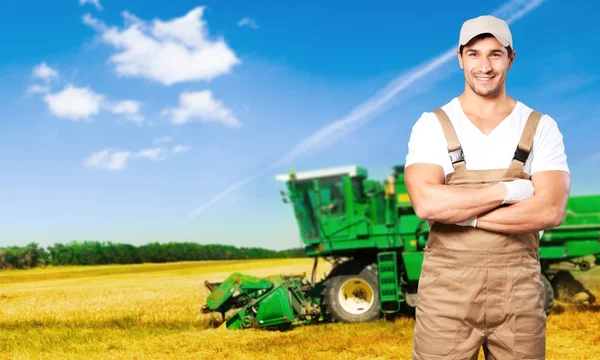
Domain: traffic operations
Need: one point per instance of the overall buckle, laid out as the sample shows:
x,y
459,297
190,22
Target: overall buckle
x,y
521,154
456,156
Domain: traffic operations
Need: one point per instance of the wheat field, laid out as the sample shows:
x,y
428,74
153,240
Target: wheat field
x,y
152,311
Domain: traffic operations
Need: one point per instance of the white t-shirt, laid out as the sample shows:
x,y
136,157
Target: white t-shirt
x,y
427,143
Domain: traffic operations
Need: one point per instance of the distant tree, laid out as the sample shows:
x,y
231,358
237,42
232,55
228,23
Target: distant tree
x,y
99,253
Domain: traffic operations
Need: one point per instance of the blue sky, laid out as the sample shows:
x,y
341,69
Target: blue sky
x,y
139,121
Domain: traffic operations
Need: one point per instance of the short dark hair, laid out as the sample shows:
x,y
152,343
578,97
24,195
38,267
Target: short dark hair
x,y
483,36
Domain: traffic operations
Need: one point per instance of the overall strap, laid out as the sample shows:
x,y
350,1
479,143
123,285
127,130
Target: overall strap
x,y
454,148
526,142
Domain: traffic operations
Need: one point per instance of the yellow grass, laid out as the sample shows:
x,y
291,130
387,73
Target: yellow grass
x,y
153,311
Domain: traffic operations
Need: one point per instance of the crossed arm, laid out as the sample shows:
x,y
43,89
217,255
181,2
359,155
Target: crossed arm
x,y
435,201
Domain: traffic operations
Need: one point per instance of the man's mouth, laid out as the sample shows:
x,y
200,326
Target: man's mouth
x,y
485,79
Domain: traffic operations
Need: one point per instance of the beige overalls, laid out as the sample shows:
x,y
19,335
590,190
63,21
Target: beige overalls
x,y
478,287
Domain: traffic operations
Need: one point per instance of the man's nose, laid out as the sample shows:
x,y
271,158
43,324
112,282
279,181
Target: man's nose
x,y
485,65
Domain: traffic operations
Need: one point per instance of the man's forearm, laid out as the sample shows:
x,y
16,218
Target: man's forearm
x,y
533,214
453,204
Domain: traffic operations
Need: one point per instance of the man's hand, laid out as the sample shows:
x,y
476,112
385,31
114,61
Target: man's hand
x,y
517,190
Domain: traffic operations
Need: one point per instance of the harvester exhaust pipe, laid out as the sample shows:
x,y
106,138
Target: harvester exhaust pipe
x,y
313,276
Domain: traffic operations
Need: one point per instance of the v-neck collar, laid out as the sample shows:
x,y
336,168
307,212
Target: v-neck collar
x,y
495,129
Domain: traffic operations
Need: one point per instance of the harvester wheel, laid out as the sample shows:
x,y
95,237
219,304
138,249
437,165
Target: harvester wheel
x,y
548,294
351,293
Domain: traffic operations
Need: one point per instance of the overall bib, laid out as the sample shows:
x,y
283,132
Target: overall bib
x,y
478,287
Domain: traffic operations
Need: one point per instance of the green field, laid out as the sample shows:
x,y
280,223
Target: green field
x,y
152,311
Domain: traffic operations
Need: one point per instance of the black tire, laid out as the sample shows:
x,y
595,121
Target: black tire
x,y
352,274
548,294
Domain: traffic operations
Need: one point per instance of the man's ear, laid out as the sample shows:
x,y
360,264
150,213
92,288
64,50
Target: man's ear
x,y
511,59
458,54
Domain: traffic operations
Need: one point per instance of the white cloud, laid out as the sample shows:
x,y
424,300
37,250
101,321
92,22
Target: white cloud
x,y
45,72
96,3
81,103
168,52
201,105
108,159
250,22
74,103
117,159
129,108
163,140
94,23
180,149
154,154
114,159
38,89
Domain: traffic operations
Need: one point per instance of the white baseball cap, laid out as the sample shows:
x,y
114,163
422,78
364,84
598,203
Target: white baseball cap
x,y
485,24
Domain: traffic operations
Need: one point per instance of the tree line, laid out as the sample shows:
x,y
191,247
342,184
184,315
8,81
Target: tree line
x,y
104,253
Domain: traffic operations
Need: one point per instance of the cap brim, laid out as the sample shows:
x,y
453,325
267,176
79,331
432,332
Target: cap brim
x,y
504,42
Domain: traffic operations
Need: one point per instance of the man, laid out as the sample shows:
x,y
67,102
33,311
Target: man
x,y
488,174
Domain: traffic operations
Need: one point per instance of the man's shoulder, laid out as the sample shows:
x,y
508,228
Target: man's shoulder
x,y
427,127
449,107
548,146
546,119
429,118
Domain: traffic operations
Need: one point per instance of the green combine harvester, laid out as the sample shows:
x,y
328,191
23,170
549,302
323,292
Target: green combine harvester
x,y
371,235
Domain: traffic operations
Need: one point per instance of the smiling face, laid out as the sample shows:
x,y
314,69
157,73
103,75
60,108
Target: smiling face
x,y
485,63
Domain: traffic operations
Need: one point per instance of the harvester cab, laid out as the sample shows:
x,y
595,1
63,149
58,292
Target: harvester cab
x,y
370,234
